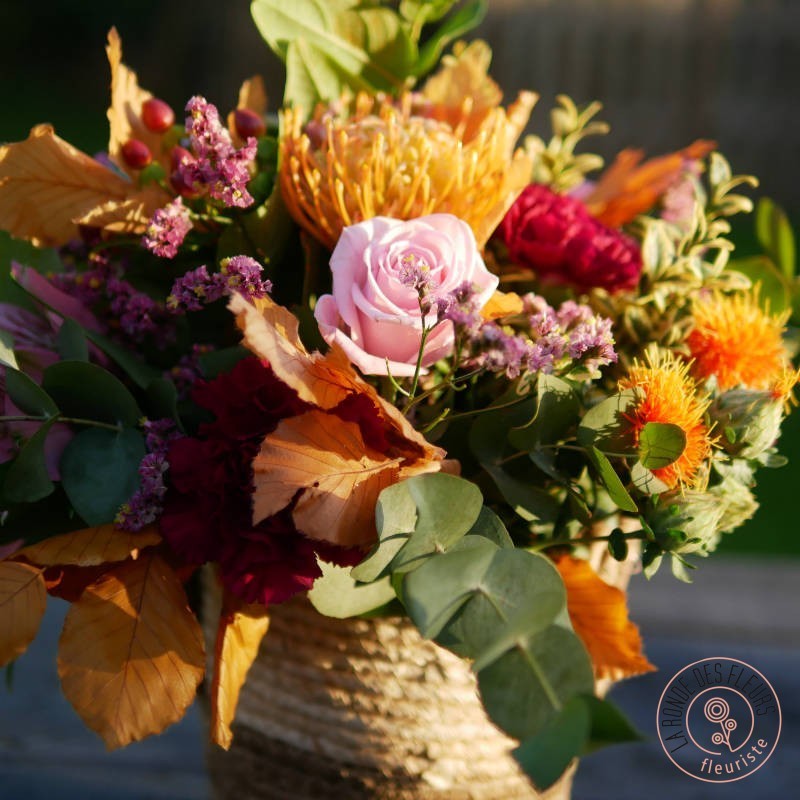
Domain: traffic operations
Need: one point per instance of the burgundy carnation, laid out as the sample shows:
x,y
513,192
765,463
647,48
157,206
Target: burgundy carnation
x,y
208,507
555,236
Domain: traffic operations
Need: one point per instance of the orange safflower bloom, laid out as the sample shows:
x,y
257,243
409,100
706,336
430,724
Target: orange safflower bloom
x,y
667,393
387,160
737,341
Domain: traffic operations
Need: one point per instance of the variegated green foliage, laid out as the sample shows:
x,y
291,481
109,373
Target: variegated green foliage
x,y
555,162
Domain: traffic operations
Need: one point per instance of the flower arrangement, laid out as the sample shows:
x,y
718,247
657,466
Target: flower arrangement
x,y
375,351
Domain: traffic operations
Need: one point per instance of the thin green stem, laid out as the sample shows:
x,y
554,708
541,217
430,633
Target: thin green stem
x,y
109,426
567,540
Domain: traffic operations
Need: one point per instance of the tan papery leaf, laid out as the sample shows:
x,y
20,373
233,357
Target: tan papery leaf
x,y
271,332
599,614
90,547
339,475
22,602
239,633
131,653
46,185
124,113
131,216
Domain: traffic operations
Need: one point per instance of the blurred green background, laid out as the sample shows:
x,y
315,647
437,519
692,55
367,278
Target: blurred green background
x,y
667,71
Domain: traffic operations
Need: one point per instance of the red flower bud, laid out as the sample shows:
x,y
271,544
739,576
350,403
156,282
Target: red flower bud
x,y
136,154
248,123
157,116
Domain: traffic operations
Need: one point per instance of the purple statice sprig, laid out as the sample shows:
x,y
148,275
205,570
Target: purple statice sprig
x,y
198,287
168,228
549,340
215,165
145,505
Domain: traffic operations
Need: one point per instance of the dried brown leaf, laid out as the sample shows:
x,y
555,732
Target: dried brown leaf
x,y
22,602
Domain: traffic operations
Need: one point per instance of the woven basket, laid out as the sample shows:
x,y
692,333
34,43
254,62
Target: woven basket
x,y
356,709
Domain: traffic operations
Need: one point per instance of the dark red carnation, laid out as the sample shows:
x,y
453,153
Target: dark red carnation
x,y
555,236
208,507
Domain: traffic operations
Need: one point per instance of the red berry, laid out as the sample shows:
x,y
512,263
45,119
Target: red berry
x,y
248,123
180,155
157,116
136,154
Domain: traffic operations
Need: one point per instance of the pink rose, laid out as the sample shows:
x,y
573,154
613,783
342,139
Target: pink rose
x,y
373,313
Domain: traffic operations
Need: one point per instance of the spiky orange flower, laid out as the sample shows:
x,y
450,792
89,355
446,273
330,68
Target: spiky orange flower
x,y
738,342
388,160
667,393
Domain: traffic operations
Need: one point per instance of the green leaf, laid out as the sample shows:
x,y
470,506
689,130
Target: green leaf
x,y
527,686
608,724
618,545
427,10
7,356
447,507
337,595
776,291
139,372
332,45
605,426
614,486
27,480
462,21
28,396
660,444
644,480
71,341
775,235
531,503
99,472
491,527
556,412
87,391
488,436
545,756
162,400
219,361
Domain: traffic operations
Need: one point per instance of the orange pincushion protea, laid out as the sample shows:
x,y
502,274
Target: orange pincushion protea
x,y
667,393
738,342
386,160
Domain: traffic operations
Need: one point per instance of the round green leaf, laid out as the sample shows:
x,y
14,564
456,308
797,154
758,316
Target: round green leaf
x,y
100,472
605,425
28,396
337,595
660,444
27,480
87,391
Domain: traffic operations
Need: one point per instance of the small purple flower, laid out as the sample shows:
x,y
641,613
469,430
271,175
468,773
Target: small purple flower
x,y
217,165
239,274
167,229
145,506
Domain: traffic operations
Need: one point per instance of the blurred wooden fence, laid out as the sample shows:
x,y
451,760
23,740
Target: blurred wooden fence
x,y
667,71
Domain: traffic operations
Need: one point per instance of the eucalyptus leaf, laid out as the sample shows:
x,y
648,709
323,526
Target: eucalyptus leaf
x,y
531,503
606,427
139,372
161,399
71,341
776,291
614,486
556,412
527,686
608,724
545,756
337,595
99,472
660,444
27,480
645,481
87,391
491,527
28,396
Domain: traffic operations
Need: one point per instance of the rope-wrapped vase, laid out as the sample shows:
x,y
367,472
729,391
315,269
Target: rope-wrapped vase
x,y
364,708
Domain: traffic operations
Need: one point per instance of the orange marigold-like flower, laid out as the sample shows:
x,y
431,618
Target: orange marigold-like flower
x,y
737,341
667,393
387,159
